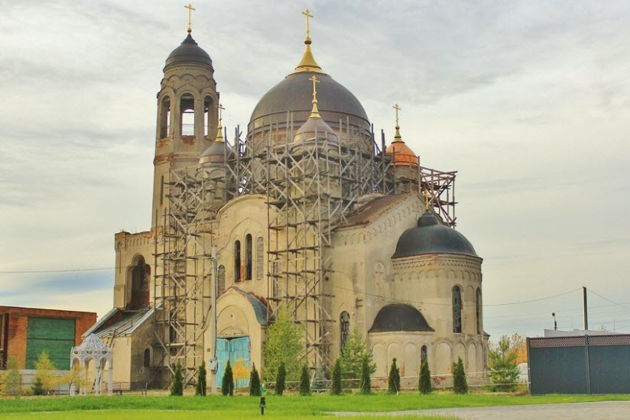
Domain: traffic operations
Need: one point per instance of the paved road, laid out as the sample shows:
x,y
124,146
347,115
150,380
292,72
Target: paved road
x,y
605,410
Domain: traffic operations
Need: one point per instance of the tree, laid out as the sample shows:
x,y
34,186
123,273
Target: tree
x,y
44,376
76,376
283,345
12,378
254,382
280,379
200,388
424,383
335,387
459,377
366,383
227,383
353,354
503,364
177,387
393,381
305,382
38,387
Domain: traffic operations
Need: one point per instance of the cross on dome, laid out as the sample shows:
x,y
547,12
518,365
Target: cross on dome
x,y
307,13
190,10
315,110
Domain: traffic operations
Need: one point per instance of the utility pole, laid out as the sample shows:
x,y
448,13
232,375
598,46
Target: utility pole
x,y
214,363
555,323
584,298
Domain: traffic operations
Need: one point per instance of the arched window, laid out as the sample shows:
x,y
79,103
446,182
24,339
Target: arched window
x,y
237,261
344,328
207,105
147,358
221,279
260,258
424,355
457,309
478,310
187,115
248,257
165,116
139,285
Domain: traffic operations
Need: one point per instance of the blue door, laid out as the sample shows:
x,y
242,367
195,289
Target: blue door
x,y
236,350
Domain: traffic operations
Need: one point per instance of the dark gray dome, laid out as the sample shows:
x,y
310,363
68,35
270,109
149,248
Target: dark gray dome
x,y
294,94
432,237
188,53
399,317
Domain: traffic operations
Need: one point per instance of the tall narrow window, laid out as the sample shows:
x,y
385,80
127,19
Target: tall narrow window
x,y
478,310
165,117
207,105
237,261
260,258
162,190
147,358
187,116
139,285
457,309
221,279
424,355
248,257
344,328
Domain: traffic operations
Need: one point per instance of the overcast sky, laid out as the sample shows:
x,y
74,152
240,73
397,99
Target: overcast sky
x,y
528,100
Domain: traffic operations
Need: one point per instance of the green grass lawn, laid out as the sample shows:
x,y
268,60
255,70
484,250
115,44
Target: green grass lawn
x,y
243,407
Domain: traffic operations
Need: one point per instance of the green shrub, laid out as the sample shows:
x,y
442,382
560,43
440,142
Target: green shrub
x,y
335,387
254,382
200,388
280,379
366,383
502,365
177,387
424,383
38,387
305,384
283,344
393,381
459,377
227,383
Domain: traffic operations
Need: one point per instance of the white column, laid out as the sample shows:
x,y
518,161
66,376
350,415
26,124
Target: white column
x,y
110,379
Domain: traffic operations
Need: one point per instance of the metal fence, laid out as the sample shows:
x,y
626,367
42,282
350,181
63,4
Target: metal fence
x,y
579,365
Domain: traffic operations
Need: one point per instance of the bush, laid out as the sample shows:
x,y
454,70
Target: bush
x,y
366,383
335,387
424,383
200,388
254,382
393,381
227,383
280,379
503,365
353,354
38,387
305,384
44,368
459,377
177,387
12,378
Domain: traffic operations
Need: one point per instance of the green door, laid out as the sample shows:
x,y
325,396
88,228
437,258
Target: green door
x,y
50,335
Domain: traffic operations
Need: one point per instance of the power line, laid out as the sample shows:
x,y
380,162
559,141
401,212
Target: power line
x,y
609,300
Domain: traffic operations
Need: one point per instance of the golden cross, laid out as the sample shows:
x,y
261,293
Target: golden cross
x,y
308,15
397,108
221,109
427,199
190,10
315,82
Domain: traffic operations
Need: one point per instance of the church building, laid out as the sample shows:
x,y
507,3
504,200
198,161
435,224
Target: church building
x,y
308,210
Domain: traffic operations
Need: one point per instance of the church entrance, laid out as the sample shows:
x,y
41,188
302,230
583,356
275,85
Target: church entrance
x,y
236,350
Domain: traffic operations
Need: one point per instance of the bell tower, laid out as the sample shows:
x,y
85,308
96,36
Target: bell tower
x,y
187,116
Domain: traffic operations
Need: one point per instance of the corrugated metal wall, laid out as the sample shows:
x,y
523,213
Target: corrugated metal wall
x,y
50,335
579,365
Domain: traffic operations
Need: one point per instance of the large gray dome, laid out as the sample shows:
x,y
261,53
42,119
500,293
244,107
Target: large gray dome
x,y
432,237
189,52
294,94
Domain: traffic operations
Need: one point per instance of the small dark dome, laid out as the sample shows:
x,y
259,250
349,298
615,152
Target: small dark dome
x,y
399,317
432,237
312,127
294,94
188,53
215,153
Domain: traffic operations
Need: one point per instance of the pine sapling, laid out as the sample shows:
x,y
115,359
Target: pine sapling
x,y
280,379
305,383
254,382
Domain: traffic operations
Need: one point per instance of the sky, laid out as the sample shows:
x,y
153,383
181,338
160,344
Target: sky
x,y
528,100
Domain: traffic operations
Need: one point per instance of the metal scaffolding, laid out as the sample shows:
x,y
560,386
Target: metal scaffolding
x,y
440,187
